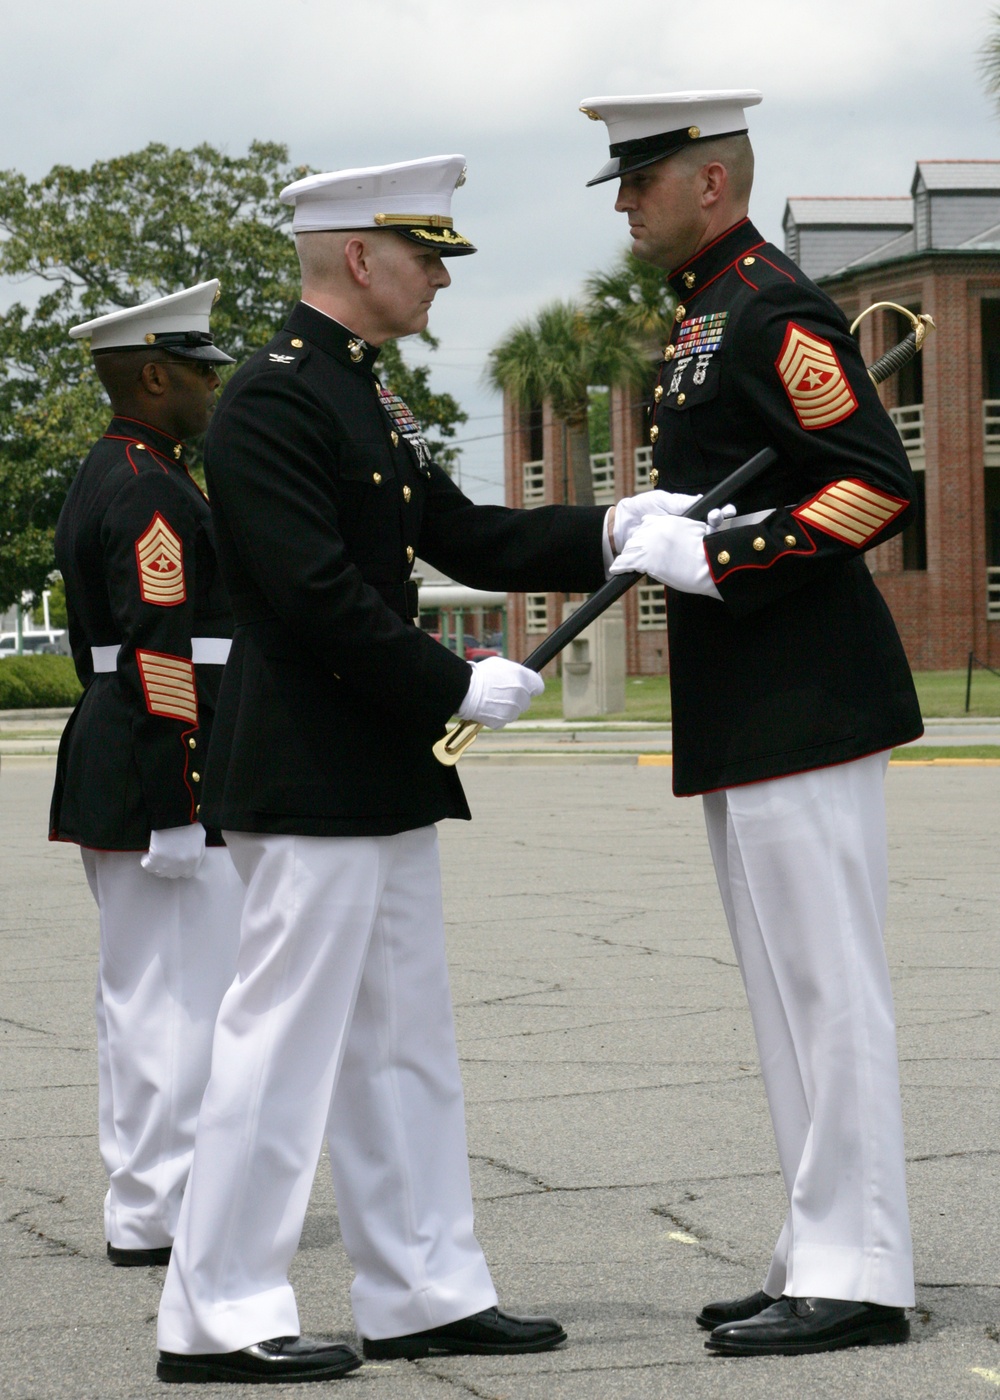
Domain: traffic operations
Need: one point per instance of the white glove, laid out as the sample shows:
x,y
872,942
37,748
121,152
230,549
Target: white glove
x,y
671,549
630,512
499,691
719,518
176,852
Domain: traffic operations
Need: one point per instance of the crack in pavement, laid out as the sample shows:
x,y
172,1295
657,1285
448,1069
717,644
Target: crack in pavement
x,y
22,1026
54,1246
686,1228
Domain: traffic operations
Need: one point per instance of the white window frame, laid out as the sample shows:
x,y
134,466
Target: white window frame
x,y
536,613
652,608
533,482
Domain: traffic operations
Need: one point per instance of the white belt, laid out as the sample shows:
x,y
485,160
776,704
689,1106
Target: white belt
x,y
205,651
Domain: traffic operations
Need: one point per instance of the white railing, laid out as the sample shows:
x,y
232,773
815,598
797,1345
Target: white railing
x,y
909,422
602,476
991,432
643,462
993,594
533,483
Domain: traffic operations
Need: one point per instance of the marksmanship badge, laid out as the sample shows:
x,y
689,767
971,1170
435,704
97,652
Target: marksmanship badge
x,y
814,379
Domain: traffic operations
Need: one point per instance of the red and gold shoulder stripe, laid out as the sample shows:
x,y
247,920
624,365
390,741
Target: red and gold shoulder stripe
x,y
160,556
851,511
168,684
814,379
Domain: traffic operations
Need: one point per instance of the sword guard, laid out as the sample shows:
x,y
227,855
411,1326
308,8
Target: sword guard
x,y
451,748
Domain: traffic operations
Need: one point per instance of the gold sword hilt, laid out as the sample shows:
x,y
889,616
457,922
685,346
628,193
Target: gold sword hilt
x,y
451,748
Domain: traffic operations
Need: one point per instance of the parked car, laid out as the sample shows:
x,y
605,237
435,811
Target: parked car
x,y
474,648
32,643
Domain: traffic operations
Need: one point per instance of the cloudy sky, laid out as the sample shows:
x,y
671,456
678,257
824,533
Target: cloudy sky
x,y
855,91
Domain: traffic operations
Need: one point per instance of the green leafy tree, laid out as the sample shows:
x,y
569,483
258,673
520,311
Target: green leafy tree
x,y
138,226
633,298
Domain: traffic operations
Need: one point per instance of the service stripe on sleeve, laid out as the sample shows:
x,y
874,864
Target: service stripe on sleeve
x,y
168,684
814,379
851,511
160,556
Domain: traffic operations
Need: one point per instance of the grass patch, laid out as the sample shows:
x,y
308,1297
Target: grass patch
x,y
925,753
941,695
38,682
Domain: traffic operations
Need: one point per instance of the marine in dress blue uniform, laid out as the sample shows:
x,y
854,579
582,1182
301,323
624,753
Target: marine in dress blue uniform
x,y
339,1024
788,684
150,627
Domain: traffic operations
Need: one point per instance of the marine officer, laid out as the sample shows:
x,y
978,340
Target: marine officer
x,y
789,685
339,1022
150,627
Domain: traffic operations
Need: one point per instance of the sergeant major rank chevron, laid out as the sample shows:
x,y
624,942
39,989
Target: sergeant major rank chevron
x,y
814,380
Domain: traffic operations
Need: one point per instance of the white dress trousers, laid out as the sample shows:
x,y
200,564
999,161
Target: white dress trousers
x,y
338,1025
167,954
802,865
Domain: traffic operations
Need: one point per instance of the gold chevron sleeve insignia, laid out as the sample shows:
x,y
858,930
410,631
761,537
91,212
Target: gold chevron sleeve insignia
x,y
168,684
160,556
850,511
814,380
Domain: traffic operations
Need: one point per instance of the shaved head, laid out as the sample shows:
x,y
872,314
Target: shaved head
x,y
733,152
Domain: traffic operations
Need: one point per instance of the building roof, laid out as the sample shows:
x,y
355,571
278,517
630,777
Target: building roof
x,y
889,211
949,175
895,248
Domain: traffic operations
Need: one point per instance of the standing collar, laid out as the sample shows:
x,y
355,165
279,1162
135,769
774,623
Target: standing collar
x,y
331,337
711,261
134,430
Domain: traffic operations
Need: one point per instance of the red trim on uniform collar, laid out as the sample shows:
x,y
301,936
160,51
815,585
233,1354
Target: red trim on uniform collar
x,y
702,251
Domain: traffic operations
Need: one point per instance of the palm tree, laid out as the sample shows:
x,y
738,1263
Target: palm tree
x,y
989,58
558,355
634,298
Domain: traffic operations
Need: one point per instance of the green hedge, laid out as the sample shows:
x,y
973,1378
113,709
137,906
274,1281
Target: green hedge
x,y
38,682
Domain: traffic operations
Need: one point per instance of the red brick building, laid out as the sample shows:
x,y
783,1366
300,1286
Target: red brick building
x,y
936,251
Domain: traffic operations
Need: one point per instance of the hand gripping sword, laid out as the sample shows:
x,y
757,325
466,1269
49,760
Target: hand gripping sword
x,y
449,749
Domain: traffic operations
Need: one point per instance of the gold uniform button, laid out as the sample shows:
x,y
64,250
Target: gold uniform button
x,y
197,810
407,493
658,393
694,132
669,351
760,543
296,344
410,554
689,280
395,438
377,478
682,398
192,743
196,777
654,478
140,447
749,262
723,557
654,433
680,313
790,540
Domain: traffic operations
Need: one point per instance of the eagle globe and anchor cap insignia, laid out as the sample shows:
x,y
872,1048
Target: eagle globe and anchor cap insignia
x,y
814,380
160,556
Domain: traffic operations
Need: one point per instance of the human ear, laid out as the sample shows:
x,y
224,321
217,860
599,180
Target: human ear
x,y
357,256
154,377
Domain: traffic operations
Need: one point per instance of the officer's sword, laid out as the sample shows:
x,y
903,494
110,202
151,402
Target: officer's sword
x,y
449,749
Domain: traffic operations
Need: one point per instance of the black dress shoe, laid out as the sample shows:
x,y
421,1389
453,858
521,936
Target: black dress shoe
x,y
715,1314
792,1326
278,1361
488,1333
137,1258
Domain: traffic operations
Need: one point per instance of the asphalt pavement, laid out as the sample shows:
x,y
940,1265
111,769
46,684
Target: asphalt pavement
x,y
622,1159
